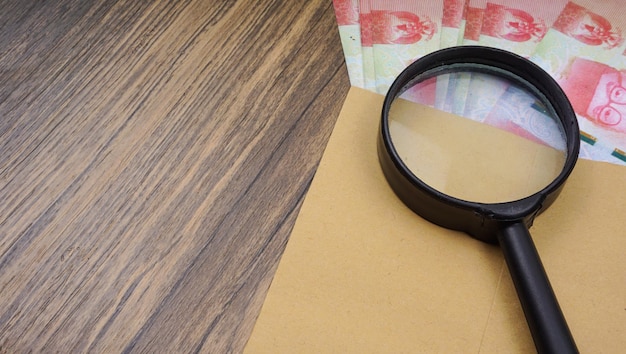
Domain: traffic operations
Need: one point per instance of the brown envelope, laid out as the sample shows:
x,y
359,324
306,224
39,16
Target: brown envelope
x,y
363,274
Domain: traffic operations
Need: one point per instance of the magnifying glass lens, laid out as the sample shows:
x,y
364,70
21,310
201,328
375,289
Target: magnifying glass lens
x,y
493,138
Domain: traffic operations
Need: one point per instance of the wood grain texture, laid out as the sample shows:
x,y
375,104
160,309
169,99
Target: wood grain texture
x,y
154,157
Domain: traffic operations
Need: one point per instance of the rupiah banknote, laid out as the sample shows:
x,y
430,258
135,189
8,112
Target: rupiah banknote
x,y
347,15
581,43
585,36
402,32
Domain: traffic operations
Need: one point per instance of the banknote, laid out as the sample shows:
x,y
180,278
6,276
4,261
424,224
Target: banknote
x,y
347,14
484,92
507,106
521,113
451,22
463,24
597,93
367,51
518,26
452,25
585,28
581,43
618,61
585,35
402,31
474,21
423,92
459,84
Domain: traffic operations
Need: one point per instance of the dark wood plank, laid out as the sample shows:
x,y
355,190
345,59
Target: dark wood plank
x,y
154,157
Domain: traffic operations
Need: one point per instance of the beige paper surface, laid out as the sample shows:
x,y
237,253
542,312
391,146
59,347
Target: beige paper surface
x,y
363,274
438,149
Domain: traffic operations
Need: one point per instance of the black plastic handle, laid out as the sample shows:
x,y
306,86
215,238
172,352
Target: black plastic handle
x,y
543,313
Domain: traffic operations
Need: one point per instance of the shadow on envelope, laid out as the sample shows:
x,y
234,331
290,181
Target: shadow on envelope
x,y
363,274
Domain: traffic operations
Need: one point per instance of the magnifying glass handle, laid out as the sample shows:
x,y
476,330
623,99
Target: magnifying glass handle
x,y
541,308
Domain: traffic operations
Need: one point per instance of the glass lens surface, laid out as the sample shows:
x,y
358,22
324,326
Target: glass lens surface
x,y
477,134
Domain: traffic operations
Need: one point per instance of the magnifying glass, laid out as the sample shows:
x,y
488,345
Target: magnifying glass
x,y
488,174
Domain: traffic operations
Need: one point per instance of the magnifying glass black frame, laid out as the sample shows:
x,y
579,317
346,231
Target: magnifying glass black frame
x,y
503,223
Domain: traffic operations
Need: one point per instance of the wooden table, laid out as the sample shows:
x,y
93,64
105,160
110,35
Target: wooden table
x,y
154,158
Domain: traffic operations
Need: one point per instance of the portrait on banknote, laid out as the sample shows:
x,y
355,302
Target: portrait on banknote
x,y
597,93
